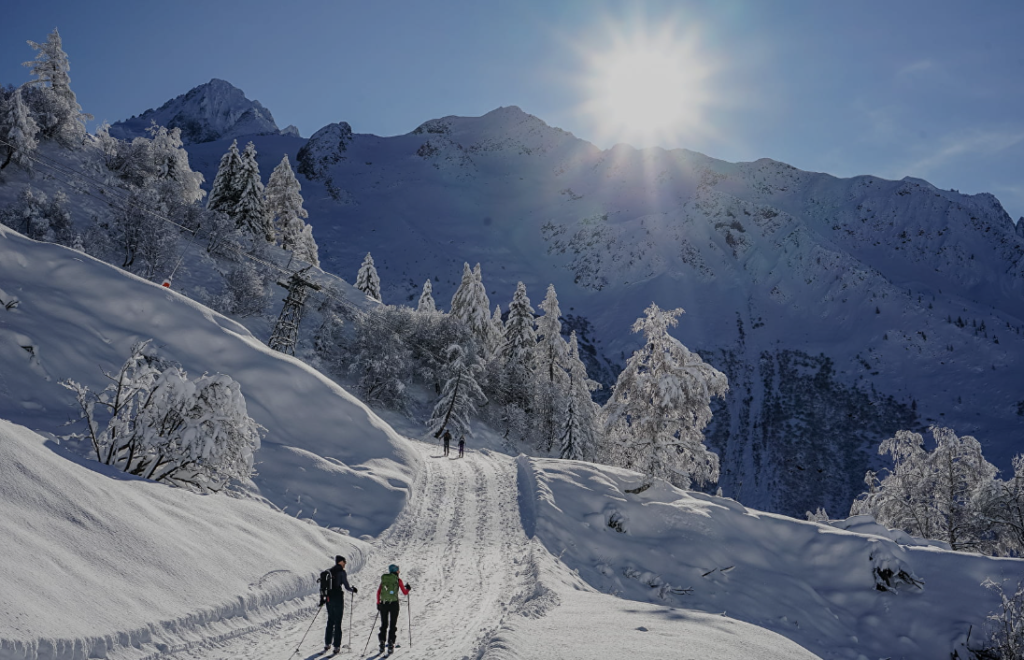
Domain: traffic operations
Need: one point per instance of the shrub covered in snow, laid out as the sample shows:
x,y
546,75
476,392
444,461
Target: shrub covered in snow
x,y
153,422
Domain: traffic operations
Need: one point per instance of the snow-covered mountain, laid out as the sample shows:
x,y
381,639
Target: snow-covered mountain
x,y
841,309
212,111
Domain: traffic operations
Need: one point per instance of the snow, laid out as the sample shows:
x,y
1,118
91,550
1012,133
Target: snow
x,y
80,316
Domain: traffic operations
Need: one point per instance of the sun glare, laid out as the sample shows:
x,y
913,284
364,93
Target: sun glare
x,y
647,89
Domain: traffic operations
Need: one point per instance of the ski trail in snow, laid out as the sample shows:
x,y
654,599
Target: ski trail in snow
x,y
459,543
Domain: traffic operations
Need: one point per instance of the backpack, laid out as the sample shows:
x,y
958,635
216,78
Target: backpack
x,y
389,588
326,584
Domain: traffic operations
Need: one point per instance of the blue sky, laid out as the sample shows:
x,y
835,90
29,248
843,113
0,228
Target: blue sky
x,y
933,89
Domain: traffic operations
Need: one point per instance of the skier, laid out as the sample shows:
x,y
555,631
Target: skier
x,y
388,606
336,604
462,445
447,441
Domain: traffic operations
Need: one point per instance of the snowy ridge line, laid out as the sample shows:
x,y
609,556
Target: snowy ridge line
x,y
526,482
196,629
66,173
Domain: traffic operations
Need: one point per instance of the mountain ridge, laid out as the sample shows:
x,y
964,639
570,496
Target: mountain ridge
x,y
842,309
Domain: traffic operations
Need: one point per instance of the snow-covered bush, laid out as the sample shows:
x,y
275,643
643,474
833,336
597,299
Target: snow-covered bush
x,y
246,291
152,421
1006,626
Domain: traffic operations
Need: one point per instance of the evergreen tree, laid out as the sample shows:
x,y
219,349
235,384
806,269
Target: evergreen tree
x,y
60,117
496,335
17,129
367,279
550,371
251,212
660,406
517,353
224,196
470,304
284,204
426,303
580,424
460,396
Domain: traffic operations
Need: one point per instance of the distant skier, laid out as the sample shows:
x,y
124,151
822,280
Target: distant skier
x,y
462,445
447,441
388,605
335,599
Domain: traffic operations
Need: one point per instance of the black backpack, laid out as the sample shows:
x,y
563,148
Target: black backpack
x,y
326,585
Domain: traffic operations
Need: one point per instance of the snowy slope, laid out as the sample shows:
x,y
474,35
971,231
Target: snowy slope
x,y
812,583
212,111
94,559
841,309
324,456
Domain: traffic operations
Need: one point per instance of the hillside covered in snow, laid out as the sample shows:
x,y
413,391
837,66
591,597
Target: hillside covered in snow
x,y
840,309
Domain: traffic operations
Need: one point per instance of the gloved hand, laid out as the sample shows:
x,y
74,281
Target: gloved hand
x,y
380,607
408,587
354,590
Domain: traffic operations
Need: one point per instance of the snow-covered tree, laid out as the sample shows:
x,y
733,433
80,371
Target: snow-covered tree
x,y
58,114
460,396
426,303
251,212
518,352
246,291
40,217
660,406
152,421
470,304
224,196
581,428
937,495
17,129
367,279
550,371
381,357
495,335
284,204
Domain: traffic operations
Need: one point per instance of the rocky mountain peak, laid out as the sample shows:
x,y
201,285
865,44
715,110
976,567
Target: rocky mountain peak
x,y
209,112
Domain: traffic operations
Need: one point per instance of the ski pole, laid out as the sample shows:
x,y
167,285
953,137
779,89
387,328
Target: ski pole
x,y
408,606
351,613
367,645
308,629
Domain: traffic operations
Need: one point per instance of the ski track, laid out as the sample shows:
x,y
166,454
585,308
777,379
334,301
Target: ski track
x,y
459,543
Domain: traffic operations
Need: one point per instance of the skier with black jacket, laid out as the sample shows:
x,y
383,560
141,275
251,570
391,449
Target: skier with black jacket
x,y
388,606
335,600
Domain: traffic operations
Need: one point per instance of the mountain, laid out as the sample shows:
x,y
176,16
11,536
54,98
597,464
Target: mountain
x,y
212,111
842,310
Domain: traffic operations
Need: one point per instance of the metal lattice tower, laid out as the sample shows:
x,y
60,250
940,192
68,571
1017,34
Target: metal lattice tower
x,y
286,331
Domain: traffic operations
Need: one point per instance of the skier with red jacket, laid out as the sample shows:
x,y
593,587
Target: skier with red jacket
x,y
388,606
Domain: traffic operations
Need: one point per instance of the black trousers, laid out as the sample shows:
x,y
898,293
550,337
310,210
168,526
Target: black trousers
x,y
335,615
388,622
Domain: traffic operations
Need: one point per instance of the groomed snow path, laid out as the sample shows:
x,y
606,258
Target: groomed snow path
x,y
483,590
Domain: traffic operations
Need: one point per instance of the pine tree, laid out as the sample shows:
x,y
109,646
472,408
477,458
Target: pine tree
x,y
660,406
224,196
251,212
18,129
470,304
518,352
367,279
305,248
495,336
426,304
551,351
284,204
581,431
460,395
62,117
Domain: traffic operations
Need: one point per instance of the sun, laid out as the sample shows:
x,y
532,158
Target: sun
x,y
647,89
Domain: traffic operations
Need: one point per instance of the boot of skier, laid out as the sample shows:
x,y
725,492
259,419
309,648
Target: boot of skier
x,y
388,604
336,604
